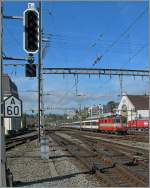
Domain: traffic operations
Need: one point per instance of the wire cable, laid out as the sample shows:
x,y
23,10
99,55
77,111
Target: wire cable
x,y
125,32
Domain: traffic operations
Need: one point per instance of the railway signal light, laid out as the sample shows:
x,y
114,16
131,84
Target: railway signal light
x,y
31,30
30,70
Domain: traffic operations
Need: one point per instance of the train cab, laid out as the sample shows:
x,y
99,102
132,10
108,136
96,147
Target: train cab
x,y
114,124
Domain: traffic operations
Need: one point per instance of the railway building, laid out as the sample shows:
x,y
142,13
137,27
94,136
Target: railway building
x,y
10,88
134,107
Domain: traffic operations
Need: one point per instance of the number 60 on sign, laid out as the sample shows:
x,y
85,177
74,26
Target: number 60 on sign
x,y
12,107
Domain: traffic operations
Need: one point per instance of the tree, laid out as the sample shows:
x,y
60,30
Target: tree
x,y
110,106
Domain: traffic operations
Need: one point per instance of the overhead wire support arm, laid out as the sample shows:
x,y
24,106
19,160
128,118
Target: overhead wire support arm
x,y
14,58
92,71
13,17
29,59
14,64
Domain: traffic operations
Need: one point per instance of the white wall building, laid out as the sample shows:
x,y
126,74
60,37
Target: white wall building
x,y
134,107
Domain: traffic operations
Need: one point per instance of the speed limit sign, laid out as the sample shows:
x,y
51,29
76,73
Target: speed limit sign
x,y
12,107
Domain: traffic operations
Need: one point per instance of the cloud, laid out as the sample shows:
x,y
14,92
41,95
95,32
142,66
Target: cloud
x,y
62,98
93,92
30,101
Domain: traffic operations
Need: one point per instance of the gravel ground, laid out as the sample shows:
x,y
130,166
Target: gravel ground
x,y
59,171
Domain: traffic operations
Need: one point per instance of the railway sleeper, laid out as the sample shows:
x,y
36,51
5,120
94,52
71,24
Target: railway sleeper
x,y
126,174
124,170
130,176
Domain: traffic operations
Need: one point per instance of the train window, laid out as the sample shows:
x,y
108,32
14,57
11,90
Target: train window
x,y
140,116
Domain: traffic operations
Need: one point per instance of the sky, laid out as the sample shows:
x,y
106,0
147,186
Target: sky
x,y
78,33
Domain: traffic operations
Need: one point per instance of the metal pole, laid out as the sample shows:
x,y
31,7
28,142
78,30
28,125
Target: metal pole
x,y
39,71
120,79
2,128
42,105
149,81
80,116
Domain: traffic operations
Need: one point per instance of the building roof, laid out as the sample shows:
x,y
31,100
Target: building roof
x,y
141,102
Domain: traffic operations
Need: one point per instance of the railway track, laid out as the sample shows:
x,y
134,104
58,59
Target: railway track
x,y
107,166
13,142
137,154
133,137
18,133
136,160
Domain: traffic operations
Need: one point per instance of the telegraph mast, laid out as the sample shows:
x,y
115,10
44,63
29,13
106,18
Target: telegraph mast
x,y
2,128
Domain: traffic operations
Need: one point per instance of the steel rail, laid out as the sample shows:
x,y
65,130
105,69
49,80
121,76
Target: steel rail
x,y
18,141
90,161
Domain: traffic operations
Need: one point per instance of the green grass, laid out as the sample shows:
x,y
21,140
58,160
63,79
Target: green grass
x,y
99,139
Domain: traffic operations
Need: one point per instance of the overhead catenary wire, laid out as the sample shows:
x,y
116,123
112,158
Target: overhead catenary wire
x,y
75,85
68,91
124,32
138,51
61,37
104,43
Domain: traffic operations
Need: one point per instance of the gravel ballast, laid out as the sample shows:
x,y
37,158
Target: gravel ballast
x,y
60,170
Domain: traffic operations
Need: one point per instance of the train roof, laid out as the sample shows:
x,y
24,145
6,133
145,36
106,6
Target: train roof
x,y
91,120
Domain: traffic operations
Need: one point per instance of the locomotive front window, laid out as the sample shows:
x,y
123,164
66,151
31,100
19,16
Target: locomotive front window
x,y
117,120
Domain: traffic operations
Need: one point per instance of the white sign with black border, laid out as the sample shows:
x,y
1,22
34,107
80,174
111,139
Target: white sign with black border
x,y
12,107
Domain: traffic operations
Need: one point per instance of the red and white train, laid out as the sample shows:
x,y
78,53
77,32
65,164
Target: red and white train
x,y
110,124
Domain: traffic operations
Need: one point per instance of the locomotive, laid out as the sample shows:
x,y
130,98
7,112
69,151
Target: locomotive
x,y
138,125
113,124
